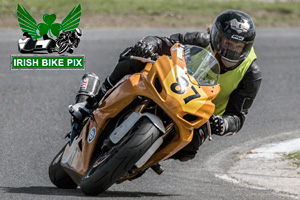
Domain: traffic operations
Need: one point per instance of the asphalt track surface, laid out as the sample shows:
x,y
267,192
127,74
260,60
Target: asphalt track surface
x,y
34,120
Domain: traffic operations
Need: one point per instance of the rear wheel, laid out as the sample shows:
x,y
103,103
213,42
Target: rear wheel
x,y
115,162
57,174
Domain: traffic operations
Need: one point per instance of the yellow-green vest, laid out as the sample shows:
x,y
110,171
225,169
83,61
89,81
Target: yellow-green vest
x,y
229,81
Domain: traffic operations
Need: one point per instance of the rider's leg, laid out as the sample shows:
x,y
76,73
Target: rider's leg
x,y
84,108
124,67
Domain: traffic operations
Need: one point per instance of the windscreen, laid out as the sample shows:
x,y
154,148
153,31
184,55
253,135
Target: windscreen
x,y
201,65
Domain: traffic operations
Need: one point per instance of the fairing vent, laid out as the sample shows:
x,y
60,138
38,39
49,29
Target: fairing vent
x,y
190,118
157,85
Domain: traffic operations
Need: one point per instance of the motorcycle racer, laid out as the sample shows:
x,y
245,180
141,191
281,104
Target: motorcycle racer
x,y
230,39
69,37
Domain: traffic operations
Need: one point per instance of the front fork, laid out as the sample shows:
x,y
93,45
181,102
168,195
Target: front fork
x,y
209,130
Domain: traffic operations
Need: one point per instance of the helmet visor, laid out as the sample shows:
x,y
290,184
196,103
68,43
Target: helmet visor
x,y
230,49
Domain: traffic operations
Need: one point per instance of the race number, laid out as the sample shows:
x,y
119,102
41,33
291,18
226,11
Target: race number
x,y
180,86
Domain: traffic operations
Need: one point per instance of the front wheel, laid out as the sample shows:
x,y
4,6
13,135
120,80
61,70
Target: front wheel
x,y
57,174
63,47
113,164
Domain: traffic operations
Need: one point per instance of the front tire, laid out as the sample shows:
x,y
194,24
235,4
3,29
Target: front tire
x,y
113,164
63,47
57,174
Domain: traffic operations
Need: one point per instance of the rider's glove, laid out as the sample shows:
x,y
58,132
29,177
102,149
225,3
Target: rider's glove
x,y
218,125
142,49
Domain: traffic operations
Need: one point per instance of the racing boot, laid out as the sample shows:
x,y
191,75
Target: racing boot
x,y
84,109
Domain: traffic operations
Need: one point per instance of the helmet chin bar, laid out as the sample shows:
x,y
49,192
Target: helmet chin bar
x,y
229,64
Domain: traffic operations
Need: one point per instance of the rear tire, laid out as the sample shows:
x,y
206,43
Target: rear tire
x,y
57,174
115,163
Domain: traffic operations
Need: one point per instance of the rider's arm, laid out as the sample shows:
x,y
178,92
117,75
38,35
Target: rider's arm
x,y
241,99
162,45
193,38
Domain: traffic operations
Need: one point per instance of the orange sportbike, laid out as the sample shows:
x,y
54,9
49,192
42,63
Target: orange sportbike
x,y
143,120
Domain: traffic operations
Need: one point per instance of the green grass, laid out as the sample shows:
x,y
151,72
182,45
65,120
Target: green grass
x,y
296,157
161,12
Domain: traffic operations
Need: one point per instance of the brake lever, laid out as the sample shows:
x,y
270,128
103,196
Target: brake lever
x,y
125,55
126,52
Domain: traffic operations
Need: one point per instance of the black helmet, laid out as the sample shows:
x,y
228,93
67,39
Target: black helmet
x,y
236,26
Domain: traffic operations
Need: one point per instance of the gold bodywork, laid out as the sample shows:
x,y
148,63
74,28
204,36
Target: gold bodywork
x,y
77,158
